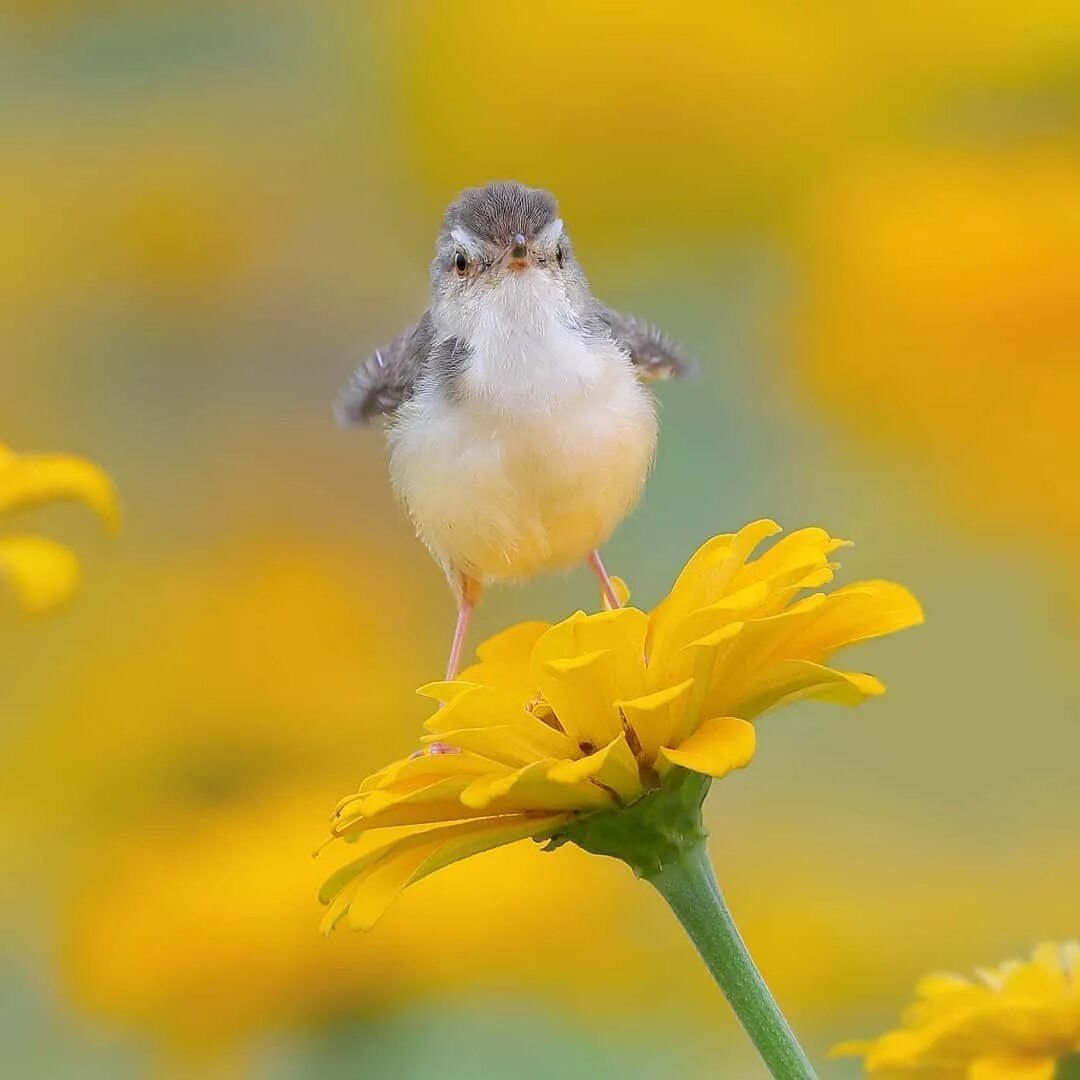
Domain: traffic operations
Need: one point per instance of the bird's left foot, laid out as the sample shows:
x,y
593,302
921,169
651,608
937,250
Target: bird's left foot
x,y
468,591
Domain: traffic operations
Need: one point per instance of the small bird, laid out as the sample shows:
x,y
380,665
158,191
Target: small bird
x,y
520,434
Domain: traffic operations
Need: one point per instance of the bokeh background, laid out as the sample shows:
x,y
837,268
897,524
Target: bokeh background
x,y
864,220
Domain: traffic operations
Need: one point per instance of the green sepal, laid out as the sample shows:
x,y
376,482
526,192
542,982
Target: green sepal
x,y
648,834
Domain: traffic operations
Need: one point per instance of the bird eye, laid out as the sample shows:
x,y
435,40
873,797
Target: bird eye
x,y
560,254
461,263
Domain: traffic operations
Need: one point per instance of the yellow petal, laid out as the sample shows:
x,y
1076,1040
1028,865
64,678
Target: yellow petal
x,y
707,620
855,613
710,571
749,536
507,745
444,691
524,736
41,573
425,789
658,719
532,788
1013,1068
622,591
715,748
699,660
470,705
703,661
787,681
721,584
339,905
714,551
759,644
1043,978
899,1050
614,767
379,881
1051,957
427,766
474,838
795,557
705,579
382,883
371,847
406,812
582,691
557,643
504,660
438,801
622,633
32,479
766,640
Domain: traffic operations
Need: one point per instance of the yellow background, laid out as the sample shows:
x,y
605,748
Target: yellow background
x,y
863,220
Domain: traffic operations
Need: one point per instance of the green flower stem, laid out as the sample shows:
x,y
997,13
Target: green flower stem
x,y
661,837
688,885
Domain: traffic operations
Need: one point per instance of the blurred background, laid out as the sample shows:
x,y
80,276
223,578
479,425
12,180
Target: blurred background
x,y
864,220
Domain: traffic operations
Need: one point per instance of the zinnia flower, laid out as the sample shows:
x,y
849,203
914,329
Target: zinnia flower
x,y
559,732
606,730
1019,1021
43,573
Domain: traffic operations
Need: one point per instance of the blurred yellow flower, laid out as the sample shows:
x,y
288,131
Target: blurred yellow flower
x,y
196,930
942,323
1013,1022
196,703
188,745
43,573
559,722
737,108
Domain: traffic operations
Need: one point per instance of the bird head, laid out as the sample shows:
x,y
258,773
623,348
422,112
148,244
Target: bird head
x,y
504,245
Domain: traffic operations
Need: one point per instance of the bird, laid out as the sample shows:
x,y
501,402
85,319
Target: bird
x,y
520,433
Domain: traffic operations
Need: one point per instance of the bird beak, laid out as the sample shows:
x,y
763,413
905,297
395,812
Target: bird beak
x,y
517,257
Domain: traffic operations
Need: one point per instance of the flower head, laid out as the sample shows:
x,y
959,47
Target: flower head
x,y
558,725
41,572
1013,1022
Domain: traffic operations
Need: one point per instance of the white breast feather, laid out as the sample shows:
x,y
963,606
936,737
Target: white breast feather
x,y
541,454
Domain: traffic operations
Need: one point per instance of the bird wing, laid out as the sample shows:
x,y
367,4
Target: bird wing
x,y
654,354
388,377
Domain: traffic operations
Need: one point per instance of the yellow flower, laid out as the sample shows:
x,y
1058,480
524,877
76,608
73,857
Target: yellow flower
x,y
559,724
41,572
1015,1021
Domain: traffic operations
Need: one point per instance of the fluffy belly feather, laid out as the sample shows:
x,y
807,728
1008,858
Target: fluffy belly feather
x,y
499,488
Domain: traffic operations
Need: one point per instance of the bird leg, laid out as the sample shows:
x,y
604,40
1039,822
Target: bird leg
x,y
611,597
468,597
